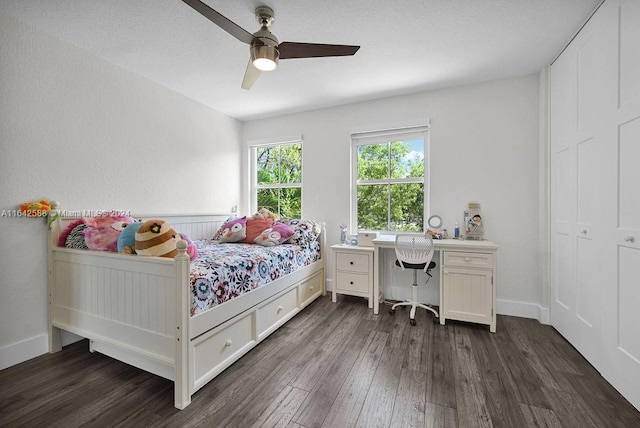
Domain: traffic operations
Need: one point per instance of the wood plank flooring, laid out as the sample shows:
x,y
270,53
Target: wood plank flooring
x,y
337,365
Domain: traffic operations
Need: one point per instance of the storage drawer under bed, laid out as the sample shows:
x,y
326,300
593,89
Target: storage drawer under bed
x,y
214,351
270,314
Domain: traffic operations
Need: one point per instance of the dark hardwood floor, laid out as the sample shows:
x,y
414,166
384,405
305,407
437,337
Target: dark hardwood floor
x,y
337,365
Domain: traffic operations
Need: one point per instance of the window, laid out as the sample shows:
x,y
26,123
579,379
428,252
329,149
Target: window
x,y
277,178
390,180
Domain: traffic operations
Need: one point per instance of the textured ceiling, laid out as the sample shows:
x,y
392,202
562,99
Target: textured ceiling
x,y
406,45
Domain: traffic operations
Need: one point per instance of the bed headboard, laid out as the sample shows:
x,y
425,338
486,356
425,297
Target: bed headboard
x,y
195,226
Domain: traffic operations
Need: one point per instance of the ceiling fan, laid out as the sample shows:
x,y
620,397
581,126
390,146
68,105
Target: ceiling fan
x,y
265,50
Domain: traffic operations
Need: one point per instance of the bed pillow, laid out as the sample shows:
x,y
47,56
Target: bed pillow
x,y
255,226
234,230
305,231
75,238
278,234
62,239
102,232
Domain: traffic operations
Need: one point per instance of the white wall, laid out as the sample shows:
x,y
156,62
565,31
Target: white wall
x,y
484,148
92,136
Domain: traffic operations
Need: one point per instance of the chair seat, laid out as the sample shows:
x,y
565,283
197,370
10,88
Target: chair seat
x,y
419,266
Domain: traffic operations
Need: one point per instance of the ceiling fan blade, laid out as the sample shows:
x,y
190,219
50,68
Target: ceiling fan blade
x,y
313,50
250,76
221,21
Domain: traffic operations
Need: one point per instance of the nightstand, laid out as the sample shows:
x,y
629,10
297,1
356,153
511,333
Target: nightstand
x,y
353,271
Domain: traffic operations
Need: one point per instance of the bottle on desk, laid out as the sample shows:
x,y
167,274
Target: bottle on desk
x,y
456,231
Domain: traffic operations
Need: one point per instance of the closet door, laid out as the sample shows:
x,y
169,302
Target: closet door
x,y
576,215
621,302
595,194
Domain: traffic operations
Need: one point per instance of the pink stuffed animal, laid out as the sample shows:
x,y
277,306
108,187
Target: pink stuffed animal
x,y
102,232
192,251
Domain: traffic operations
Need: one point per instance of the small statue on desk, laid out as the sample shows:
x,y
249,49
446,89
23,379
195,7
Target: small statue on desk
x,y
475,229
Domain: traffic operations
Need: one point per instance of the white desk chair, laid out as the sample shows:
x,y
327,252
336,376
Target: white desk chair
x,y
414,252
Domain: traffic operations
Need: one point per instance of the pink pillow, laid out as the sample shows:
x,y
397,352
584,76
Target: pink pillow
x,y
234,230
255,226
102,232
276,235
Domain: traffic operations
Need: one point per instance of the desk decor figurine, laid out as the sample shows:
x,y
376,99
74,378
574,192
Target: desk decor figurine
x,y
474,228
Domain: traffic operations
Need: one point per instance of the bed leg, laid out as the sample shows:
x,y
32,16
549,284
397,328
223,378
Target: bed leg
x,y
55,339
182,383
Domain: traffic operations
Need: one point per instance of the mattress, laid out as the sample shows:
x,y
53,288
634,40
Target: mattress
x,y
223,271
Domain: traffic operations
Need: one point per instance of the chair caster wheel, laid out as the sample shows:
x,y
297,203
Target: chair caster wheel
x,y
412,321
392,311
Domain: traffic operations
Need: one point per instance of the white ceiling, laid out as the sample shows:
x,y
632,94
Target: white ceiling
x,y
406,45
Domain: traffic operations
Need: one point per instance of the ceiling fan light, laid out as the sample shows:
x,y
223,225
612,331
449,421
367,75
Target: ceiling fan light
x,y
264,58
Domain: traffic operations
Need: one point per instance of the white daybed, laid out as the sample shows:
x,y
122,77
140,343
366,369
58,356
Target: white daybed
x,y
137,309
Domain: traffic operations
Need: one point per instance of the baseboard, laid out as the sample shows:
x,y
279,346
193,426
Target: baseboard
x,y
22,351
523,309
19,352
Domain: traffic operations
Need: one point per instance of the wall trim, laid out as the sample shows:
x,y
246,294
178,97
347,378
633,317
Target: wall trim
x,y
523,309
27,349
24,350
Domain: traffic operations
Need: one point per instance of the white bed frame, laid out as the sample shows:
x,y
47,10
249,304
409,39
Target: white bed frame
x,y
137,309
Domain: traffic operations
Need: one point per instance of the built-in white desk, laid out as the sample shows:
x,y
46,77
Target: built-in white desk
x,y
467,278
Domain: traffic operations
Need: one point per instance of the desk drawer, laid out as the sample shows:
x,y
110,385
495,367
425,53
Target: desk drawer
x,y
479,260
352,282
352,262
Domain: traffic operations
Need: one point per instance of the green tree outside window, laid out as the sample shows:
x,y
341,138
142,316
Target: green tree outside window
x,y
390,186
279,179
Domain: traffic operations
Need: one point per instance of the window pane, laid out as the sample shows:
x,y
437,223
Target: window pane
x,y
373,161
407,207
407,159
268,198
373,207
291,163
267,164
291,202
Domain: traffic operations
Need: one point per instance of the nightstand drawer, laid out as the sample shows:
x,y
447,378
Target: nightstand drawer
x,y
479,260
352,282
352,262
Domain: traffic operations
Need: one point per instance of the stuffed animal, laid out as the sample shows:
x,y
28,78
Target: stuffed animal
x,y
234,230
192,251
36,208
127,238
102,233
73,236
265,213
276,235
156,238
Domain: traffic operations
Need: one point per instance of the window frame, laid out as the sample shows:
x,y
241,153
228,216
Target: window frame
x,y
254,187
381,137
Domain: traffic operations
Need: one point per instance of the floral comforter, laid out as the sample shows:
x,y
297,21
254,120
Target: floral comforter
x,y
223,271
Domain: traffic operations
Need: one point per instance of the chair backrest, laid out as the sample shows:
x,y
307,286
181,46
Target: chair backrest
x,y
414,249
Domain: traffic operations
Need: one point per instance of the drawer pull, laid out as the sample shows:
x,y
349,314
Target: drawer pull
x,y
350,263
467,259
280,308
351,282
311,288
629,238
228,343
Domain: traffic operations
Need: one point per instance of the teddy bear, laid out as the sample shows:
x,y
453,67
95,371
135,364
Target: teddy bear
x,y
265,213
